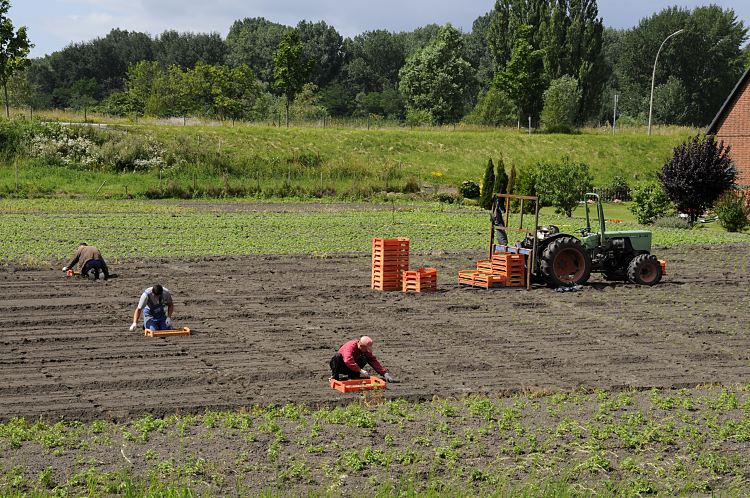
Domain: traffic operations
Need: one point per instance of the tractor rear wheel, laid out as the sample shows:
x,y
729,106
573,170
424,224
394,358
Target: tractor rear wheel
x,y
644,270
565,262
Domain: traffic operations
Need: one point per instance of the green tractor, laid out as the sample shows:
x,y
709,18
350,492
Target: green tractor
x,y
562,259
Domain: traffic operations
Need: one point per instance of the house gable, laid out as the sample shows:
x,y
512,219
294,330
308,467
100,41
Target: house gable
x,y
732,126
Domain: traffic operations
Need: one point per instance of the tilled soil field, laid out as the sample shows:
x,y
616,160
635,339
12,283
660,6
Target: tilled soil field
x,y
266,326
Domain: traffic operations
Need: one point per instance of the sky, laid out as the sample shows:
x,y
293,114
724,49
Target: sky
x,y
53,24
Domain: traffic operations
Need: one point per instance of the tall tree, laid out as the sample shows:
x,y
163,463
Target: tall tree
x,y
478,50
375,60
565,34
105,60
706,59
323,47
438,78
253,41
14,49
186,49
523,77
488,186
290,71
414,41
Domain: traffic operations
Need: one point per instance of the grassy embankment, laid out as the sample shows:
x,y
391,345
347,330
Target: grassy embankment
x,y
42,232
337,162
686,442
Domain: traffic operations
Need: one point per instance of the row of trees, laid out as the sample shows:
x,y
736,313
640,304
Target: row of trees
x,y
517,57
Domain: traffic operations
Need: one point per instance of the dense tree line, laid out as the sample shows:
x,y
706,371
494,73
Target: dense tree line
x,y
520,57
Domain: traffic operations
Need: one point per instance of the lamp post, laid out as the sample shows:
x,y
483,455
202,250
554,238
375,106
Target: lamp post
x,y
653,77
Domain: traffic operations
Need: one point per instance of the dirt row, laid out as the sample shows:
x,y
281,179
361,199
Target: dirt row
x,y
266,326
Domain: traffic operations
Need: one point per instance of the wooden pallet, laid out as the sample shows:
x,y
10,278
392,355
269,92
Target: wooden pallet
x,y
349,386
167,333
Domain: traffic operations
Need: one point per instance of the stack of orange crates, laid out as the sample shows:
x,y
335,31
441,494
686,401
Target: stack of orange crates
x,y
421,280
479,278
511,266
390,258
503,270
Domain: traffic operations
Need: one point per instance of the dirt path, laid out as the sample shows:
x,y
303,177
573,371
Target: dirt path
x,y
266,326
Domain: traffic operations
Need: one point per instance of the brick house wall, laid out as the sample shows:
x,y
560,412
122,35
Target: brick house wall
x,y
732,125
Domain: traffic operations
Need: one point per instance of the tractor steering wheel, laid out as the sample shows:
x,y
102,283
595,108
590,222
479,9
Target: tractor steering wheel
x,y
584,231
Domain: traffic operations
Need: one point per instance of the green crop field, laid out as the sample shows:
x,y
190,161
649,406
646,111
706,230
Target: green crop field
x,y
41,232
629,443
260,161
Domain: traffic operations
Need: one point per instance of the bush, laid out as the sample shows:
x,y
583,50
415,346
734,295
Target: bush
x,y
501,178
419,117
495,108
412,186
699,171
120,104
132,153
447,198
733,211
524,184
469,189
63,146
13,136
488,186
649,203
561,101
673,222
563,184
618,188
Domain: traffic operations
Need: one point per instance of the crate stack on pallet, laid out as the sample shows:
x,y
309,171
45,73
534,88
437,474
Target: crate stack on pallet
x,y
503,270
390,258
421,280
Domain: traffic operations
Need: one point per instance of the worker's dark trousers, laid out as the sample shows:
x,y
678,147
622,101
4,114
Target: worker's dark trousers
x,y
95,265
339,368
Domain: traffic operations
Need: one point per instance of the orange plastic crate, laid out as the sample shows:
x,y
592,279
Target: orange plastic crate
x,y
421,280
397,242
167,333
477,278
390,257
349,386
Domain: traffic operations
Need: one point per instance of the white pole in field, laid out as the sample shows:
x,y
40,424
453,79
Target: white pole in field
x,y
614,116
653,77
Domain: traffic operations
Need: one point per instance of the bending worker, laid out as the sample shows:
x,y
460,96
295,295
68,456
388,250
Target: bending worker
x,y
152,304
90,259
352,358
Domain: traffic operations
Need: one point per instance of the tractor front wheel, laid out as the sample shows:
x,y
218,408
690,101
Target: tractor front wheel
x,y
644,269
565,262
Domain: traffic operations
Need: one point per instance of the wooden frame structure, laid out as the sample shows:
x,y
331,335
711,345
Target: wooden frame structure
x,y
517,249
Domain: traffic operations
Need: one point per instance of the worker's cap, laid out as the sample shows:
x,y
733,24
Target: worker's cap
x,y
365,342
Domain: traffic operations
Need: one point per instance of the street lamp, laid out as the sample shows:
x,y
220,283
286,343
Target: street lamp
x,y
653,77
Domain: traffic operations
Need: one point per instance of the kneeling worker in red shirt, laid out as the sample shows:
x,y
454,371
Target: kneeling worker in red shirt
x,y
352,358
